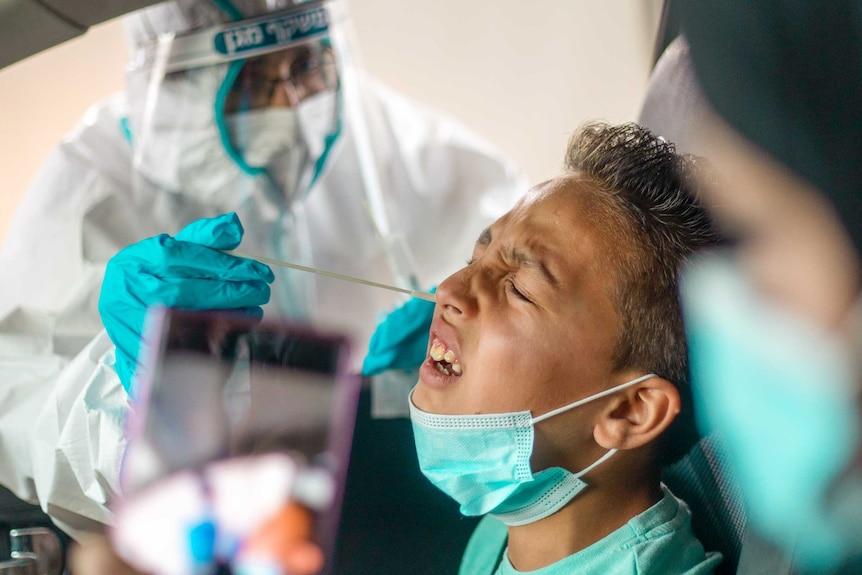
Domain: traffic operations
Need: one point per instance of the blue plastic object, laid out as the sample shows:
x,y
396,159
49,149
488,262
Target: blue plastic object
x,y
186,271
401,339
202,542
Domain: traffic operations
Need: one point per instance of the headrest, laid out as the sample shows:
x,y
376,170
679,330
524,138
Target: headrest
x,y
674,106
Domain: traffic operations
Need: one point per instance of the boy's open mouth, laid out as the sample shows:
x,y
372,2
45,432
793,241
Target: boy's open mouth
x,y
444,359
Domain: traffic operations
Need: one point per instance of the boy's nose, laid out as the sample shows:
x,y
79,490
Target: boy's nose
x,y
455,294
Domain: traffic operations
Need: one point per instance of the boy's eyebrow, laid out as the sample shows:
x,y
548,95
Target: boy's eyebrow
x,y
528,259
522,258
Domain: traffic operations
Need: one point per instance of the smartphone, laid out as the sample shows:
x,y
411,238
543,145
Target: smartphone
x,y
220,387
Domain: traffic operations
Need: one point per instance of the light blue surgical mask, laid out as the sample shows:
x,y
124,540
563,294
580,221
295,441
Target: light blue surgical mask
x,y
483,461
781,392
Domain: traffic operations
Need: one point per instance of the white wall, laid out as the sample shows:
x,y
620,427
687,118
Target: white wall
x,y
42,97
521,74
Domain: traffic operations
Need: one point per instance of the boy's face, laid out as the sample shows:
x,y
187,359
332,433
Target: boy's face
x,y
530,320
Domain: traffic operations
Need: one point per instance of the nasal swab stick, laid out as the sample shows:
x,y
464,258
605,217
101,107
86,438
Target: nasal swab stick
x,y
415,293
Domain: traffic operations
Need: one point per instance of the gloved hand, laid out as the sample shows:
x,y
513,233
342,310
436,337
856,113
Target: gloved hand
x,y
186,271
401,339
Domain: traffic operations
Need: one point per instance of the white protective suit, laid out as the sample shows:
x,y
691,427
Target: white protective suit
x,y
62,406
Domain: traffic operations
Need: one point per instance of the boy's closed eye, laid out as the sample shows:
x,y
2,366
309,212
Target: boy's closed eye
x,y
513,289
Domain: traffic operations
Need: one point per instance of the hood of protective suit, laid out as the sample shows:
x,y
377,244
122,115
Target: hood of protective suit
x,y
185,142
143,27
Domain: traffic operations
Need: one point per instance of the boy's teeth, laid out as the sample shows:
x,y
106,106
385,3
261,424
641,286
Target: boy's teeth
x,y
442,369
438,352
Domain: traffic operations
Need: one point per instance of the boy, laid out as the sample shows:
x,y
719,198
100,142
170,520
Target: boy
x,y
555,388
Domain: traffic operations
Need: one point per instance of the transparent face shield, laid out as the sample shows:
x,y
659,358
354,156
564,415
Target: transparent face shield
x,y
257,109
243,108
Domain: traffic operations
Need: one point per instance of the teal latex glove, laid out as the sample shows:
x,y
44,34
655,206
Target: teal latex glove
x,y
186,271
401,339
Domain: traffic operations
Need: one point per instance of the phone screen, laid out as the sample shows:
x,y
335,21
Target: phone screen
x,y
219,386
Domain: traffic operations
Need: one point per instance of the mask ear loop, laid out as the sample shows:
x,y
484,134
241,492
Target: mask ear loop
x,y
599,395
595,464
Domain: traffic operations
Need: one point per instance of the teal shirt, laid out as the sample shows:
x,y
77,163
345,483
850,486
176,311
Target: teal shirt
x,y
658,541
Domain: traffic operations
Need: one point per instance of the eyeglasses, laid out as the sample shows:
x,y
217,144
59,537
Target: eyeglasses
x,y
282,79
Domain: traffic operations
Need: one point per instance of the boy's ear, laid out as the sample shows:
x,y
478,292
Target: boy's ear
x,y
637,415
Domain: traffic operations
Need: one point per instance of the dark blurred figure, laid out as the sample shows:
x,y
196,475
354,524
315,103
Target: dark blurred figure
x,y
774,324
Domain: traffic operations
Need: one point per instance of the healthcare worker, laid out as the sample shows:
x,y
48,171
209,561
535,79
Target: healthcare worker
x,y
251,107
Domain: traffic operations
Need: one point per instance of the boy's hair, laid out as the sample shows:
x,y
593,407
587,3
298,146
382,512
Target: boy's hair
x,y
646,207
